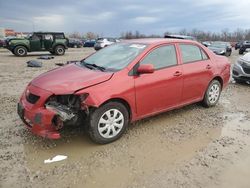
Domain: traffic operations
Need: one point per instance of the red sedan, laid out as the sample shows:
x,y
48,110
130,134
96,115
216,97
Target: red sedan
x,y
123,83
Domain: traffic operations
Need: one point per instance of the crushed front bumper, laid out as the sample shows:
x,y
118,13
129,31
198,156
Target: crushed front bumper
x,y
36,117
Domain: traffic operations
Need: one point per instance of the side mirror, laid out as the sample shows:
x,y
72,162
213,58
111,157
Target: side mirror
x,y
145,69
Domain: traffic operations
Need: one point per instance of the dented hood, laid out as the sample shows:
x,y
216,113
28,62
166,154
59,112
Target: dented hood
x,y
68,79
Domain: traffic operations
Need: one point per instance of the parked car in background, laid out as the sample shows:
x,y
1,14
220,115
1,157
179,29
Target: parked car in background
x,y
241,69
206,43
89,43
104,42
122,83
245,46
238,44
2,43
54,42
221,48
75,43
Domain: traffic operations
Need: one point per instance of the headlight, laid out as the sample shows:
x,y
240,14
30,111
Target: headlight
x,y
222,51
83,97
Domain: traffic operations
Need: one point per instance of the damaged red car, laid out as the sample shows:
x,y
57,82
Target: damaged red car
x,y
123,83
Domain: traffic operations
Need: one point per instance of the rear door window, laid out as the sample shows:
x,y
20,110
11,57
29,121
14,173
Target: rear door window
x,y
192,53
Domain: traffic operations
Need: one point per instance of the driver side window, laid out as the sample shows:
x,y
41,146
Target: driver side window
x,y
35,37
164,56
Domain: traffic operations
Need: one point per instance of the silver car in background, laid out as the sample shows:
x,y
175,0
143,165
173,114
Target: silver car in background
x,y
241,69
104,42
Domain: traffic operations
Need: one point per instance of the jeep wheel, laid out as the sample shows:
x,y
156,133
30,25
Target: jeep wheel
x,y
59,50
108,122
20,51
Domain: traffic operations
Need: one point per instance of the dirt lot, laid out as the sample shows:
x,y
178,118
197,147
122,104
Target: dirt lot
x,y
188,147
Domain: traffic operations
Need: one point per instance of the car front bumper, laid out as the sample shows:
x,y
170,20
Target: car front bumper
x,y
36,117
241,72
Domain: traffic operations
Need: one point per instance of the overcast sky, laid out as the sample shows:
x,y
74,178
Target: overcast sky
x,y
111,17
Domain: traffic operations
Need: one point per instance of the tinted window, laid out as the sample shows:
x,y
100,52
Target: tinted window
x,y
59,36
161,57
191,53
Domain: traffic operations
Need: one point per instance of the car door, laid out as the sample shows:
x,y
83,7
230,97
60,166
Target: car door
x,y
48,41
197,72
161,89
35,42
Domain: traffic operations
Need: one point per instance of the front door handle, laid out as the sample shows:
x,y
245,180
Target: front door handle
x,y
208,66
177,73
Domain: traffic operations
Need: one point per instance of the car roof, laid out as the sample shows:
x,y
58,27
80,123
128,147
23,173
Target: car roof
x,y
158,41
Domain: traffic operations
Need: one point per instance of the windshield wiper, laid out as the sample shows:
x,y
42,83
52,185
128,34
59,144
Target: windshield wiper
x,y
95,66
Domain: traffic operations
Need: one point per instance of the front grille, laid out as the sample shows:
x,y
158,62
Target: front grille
x,y
31,98
246,70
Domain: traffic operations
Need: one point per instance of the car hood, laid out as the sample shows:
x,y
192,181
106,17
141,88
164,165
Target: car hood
x,y
68,79
246,57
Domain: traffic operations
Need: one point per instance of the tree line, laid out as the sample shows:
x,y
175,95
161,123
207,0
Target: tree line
x,y
200,35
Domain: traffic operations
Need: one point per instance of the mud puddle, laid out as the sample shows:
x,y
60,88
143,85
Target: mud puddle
x,y
237,175
119,164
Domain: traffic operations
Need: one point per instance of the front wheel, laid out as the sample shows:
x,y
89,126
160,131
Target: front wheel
x,y
108,122
59,50
20,51
212,94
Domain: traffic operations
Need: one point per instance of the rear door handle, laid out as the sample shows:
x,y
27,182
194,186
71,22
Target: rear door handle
x,y
208,67
177,73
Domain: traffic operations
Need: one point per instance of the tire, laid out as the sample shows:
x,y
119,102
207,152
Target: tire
x,y
103,130
228,54
20,51
241,51
59,50
212,94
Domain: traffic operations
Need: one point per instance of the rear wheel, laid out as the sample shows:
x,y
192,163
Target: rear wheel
x,y
228,54
59,50
212,94
20,51
108,122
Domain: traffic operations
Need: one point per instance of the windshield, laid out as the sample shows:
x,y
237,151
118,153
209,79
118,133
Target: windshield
x,y
114,57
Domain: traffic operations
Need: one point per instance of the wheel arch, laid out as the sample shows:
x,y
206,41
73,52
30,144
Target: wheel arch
x,y
59,44
23,45
122,101
219,79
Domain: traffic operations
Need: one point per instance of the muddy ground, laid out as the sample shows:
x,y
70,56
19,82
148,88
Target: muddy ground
x,y
188,147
